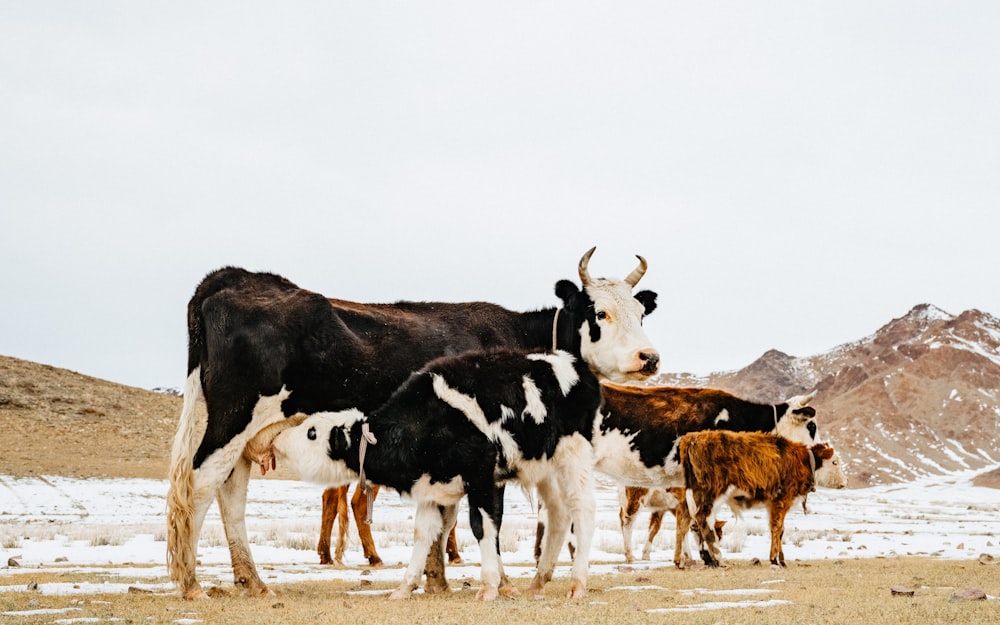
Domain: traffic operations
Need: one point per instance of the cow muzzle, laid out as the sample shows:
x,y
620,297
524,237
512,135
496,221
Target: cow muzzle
x,y
650,360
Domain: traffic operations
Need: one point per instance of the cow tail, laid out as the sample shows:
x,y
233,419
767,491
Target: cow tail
x,y
181,554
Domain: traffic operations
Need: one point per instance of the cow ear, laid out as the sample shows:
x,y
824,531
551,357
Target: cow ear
x,y
566,290
647,299
822,452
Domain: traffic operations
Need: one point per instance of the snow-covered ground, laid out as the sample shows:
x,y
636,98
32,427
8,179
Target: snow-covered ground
x,y
61,523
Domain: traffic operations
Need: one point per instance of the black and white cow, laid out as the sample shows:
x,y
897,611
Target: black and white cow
x,y
461,427
260,349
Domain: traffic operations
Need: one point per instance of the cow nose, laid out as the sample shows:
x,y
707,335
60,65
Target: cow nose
x,y
650,360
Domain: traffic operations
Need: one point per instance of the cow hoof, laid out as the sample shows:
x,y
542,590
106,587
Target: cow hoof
x,y
400,594
489,593
535,592
374,561
456,559
195,594
577,590
509,590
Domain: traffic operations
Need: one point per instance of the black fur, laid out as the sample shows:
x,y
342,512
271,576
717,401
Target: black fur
x,y
252,333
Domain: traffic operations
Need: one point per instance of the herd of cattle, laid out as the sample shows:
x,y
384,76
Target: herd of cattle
x,y
441,401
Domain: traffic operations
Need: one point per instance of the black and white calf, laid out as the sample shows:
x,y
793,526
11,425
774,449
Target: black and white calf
x,y
463,426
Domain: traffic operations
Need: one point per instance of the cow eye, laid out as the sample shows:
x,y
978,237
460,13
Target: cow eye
x,y
601,315
311,434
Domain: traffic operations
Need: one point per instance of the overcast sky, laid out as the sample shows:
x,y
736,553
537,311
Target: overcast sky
x,y
796,173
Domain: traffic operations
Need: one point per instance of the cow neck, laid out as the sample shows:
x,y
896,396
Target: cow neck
x,y
366,486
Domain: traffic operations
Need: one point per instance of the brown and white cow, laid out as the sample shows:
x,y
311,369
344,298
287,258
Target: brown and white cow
x,y
636,439
642,425
658,501
751,468
260,349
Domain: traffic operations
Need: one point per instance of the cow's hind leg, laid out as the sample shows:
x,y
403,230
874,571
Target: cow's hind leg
x,y
359,504
232,499
485,527
703,506
334,511
574,464
556,529
434,568
655,522
630,500
427,527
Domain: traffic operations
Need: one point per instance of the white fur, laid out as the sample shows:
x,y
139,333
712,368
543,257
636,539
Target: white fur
x,y
616,355
616,458
722,416
562,367
495,432
535,407
310,459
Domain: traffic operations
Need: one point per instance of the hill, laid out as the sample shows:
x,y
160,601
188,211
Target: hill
x,y
917,397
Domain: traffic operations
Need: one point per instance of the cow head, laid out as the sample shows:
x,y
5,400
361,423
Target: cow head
x,y
606,323
315,449
829,473
796,421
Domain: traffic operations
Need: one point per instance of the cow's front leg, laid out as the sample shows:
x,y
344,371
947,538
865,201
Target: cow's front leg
x,y
574,463
434,568
778,510
655,522
556,529
704,505
427,527
232,499
334,511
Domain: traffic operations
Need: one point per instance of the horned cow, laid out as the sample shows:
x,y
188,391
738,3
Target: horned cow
x,y
462,426
260,349
751,468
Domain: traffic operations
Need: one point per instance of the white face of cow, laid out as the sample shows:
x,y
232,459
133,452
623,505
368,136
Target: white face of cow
x,y
831,474
608,318
305,448
621,351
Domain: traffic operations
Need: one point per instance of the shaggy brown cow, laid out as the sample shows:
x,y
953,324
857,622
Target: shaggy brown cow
x,y
751,468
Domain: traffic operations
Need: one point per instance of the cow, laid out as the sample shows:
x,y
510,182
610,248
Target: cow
x,y
639,434
635,441
658,501
260,349
462,426
751,468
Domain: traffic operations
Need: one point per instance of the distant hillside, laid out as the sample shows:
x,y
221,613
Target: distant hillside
x,y
918,397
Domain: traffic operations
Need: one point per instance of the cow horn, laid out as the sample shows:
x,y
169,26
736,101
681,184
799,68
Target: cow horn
x,y
584,274
637,273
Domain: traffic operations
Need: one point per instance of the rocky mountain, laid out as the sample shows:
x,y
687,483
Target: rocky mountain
x,y
919,396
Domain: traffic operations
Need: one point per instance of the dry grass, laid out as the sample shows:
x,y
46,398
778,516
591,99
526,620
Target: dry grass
x,y
835,592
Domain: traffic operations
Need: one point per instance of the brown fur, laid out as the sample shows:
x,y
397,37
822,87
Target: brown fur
x,y
764,468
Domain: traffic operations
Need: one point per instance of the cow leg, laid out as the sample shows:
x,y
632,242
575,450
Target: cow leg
x,y
778,510
434,569
482,519
359,504
451,548
334,510
683,525
574,460
655,521
556,528
703,504
232,499
202,501
427,528
543,516
630,500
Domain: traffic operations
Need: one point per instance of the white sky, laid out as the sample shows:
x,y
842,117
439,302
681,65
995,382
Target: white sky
x,y
796,173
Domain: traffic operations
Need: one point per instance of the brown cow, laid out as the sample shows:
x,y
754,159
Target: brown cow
x,y
751,468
